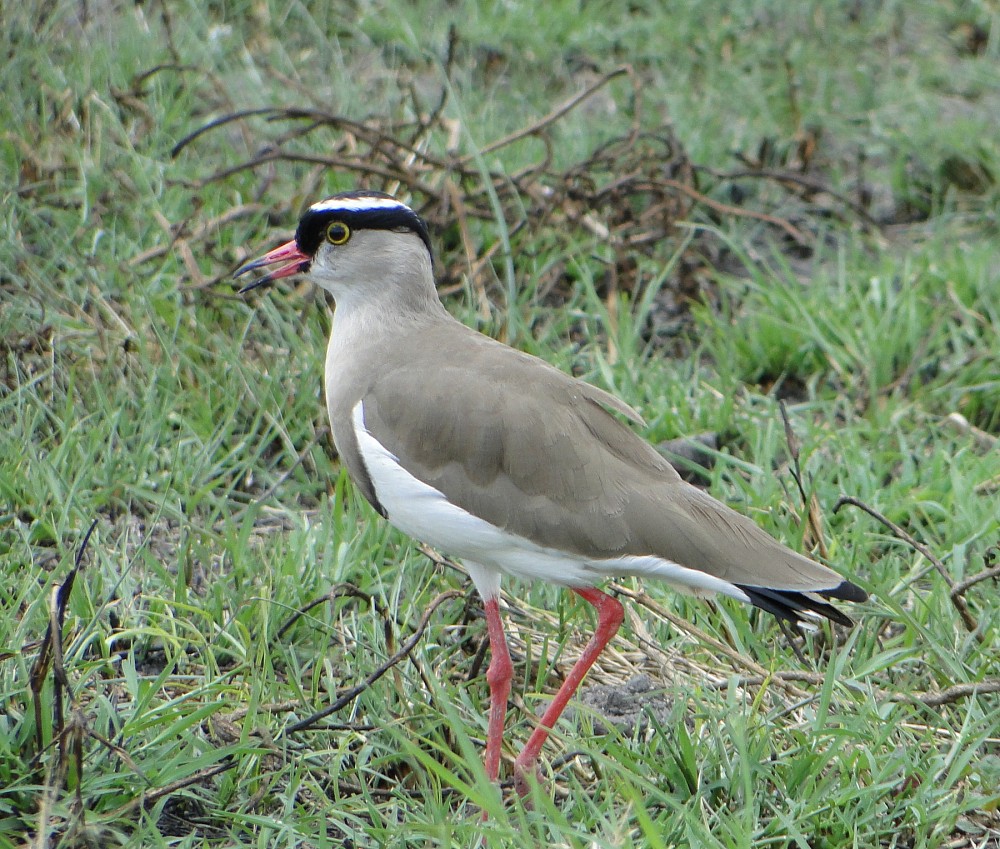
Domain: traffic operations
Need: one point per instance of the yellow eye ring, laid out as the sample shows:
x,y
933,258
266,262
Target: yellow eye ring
x,y
337,233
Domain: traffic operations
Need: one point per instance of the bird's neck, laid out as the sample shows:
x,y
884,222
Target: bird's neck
x,y
376,327
405,295
375,314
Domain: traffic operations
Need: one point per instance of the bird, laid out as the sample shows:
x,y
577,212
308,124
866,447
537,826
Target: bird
x,y
498,458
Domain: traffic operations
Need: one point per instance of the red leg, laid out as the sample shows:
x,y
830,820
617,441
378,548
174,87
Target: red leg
x,y
498,676
609,619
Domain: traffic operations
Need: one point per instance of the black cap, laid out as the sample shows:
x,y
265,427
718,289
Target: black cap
x,y
359,210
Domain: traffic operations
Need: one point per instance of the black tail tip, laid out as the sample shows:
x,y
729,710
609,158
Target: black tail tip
x,y
794,606
846,591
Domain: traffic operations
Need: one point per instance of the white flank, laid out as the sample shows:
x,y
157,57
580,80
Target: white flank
x,y
423,512
357,204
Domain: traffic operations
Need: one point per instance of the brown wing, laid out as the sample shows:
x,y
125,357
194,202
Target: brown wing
x,y
536,452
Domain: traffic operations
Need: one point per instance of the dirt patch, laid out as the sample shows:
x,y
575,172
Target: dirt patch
x,y
628,706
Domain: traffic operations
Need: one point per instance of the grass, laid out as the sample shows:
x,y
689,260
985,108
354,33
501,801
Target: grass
x,y
140,393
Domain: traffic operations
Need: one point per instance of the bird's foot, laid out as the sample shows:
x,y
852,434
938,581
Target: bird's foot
x,y
524,775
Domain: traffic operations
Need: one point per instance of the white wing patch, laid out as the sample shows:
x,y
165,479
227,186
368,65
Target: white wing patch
x,y
424,513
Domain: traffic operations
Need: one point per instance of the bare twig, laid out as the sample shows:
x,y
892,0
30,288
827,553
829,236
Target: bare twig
x,y
937,698
215,124
753,674
628,194
334,162
957,600
203,230
148,797
739,660
50,653
404,650
814,517
812,184
739,212
958,691
552,117
963,586
340,591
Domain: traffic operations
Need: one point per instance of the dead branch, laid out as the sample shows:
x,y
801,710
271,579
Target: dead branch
x,y
739,661
403,652
50,652
148,797
814,517
344,590
958,691
628,194
811,184
552,117
957,600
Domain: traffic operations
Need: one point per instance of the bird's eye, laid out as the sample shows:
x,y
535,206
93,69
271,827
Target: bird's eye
x,y
338,233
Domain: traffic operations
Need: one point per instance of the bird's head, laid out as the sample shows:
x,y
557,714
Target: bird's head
x,y
348,241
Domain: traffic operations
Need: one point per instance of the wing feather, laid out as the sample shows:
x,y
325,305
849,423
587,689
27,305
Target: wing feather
x,y
538,453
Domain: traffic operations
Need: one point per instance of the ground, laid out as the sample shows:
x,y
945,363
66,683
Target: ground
x,y
768,227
